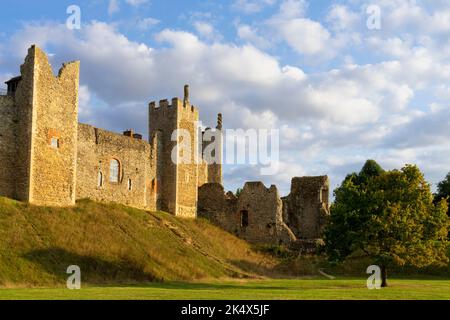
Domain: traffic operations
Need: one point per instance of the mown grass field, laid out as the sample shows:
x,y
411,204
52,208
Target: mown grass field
x,y
292,289
126,253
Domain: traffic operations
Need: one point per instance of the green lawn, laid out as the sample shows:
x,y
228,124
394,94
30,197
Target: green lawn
x,y
248,289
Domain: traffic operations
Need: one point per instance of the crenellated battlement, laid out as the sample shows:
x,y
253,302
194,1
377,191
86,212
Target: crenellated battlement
x,y
177,104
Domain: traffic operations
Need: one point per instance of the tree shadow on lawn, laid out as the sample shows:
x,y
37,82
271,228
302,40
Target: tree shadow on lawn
x,y
94,270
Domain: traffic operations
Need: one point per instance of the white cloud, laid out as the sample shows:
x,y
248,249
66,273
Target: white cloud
x,y
351,113
341,17
136,3
147,23
292,9
303,35
251,6
206,30
113,7
249,34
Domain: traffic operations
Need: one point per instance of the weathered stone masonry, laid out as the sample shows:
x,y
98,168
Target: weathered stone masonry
x,y
259,215
49,158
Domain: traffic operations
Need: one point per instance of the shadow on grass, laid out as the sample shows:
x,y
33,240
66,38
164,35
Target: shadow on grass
x,y
176,285
94,270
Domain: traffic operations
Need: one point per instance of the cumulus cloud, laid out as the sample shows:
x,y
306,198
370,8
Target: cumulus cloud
x,y
342,18
136,3
251,6
147,23
250,34
207,31
330,120
113,7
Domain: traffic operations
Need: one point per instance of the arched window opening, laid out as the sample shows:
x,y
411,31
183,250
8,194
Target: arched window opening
x,y
114,171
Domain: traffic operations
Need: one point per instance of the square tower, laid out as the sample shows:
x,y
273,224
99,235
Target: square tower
x,y
47,121
175,129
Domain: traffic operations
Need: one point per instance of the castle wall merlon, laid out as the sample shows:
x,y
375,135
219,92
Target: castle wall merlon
x,y
177,103
163,103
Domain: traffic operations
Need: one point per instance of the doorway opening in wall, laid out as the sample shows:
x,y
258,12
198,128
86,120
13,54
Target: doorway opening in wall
x,y
244,218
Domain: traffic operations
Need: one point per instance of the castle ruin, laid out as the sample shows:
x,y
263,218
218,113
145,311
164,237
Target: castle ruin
x,y
49,158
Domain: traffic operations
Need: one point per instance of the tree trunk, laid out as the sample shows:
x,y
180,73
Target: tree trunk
x,y
383,276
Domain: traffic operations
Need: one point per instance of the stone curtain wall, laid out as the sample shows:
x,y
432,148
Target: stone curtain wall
x,y
265,210
96,149
218,207
262,206
8,147
24,100
271,220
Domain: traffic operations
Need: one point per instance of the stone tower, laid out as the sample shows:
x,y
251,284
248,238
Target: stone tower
x,y
215,169
176,172
45,109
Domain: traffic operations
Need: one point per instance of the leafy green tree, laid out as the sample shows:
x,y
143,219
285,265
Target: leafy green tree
x,y
389,216
443,191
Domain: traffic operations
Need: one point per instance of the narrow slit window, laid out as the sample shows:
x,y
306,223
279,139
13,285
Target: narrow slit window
x,y
129,184
100,179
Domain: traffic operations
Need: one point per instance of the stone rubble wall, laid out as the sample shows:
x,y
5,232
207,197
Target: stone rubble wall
x,y
271,220
8,151
96,149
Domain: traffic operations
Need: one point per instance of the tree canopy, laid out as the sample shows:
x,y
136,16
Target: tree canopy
x,y
390,216
443,190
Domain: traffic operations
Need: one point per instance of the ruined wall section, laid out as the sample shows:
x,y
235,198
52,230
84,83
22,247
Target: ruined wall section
x,y
218,207
54,133
256,215
265,215
8,146
96,149
306,209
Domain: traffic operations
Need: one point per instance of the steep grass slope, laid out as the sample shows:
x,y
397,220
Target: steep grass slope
x,y
116,244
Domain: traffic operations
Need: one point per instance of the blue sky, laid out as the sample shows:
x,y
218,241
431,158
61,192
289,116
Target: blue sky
x,y
338,91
